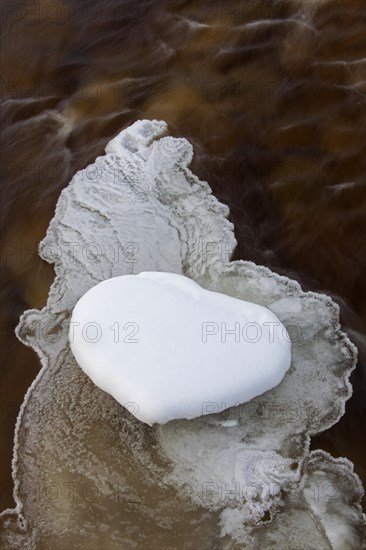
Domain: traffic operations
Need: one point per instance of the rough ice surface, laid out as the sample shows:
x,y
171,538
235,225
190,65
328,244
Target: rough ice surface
x,y
88,474
171,348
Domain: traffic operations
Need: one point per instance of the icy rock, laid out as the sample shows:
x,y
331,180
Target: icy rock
x,y
208,482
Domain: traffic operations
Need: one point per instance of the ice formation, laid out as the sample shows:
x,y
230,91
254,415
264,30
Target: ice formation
x,y
88,474
172,348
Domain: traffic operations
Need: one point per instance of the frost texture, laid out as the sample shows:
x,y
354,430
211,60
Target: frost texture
x,y
88,474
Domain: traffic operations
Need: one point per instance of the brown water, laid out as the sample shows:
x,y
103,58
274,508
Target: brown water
x,y
272,94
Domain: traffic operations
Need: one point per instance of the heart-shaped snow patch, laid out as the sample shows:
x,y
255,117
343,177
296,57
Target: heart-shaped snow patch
x,y
166,348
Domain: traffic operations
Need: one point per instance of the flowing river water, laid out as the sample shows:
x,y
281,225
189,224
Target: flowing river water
x,y
272,95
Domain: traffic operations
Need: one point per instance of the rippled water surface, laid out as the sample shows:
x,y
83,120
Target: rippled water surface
x,y
272,95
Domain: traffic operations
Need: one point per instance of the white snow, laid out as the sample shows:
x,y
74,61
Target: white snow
x,y
165,348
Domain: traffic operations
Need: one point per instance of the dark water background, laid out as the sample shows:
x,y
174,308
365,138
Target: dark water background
x,y
272,94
